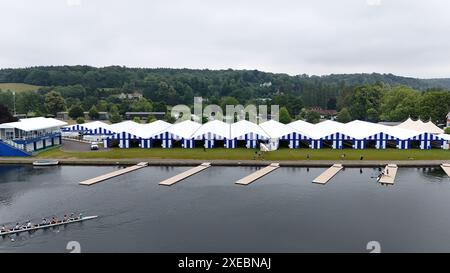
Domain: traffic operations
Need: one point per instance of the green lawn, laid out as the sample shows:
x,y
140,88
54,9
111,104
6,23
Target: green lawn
x,y
248,154
18,87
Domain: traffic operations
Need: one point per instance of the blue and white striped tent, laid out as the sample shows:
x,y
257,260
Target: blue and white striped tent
x,y
248,131
283,132
182,131
337,141
379,138
74,128
425,140
209,139
213,131
123,138
90,128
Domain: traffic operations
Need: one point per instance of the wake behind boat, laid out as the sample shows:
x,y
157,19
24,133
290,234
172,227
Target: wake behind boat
x,y
28,228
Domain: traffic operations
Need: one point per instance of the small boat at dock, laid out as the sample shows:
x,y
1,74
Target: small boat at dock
x,y
45,163
45,226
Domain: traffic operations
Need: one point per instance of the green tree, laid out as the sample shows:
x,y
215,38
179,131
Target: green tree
x,y
93,113
5,115
228,101
151,118
142,105
115,117
54,103
435,105
29,102
364,98
372,115
344,116
80,120
168,118
400,103
137,119
312,117
284,116
76,111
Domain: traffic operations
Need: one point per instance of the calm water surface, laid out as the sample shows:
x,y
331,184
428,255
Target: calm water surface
x,y
282,212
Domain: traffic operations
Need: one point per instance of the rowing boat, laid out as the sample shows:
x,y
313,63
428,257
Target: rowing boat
x,y
47,226
45,163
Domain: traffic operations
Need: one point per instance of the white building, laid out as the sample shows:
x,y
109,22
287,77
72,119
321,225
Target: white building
x,y
25,136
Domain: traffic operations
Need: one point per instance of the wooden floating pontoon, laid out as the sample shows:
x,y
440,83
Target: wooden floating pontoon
x,y
113,174
184,175
328,174
258,174
390,171
446,168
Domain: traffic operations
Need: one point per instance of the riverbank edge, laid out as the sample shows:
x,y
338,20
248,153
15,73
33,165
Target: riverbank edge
x,y
191,162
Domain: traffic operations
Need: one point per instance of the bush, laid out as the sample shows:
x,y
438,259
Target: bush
x,y
80,120
284,116
137,119
447,130
93,113
151,118
76,111
115,118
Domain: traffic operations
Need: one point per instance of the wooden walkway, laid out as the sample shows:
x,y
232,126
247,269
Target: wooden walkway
x,y
390,171
446,168
328,174
113,174
258,174
184,175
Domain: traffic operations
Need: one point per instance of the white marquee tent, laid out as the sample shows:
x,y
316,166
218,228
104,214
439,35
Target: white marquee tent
x,y
248,131
213,131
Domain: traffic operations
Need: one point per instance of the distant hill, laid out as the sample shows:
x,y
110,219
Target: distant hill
x,y
116,76
365,78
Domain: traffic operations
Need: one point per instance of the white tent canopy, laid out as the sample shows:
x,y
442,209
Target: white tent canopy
x,y
127,126
184,129
213,129
244,127
34,124
152,129
277,129
96,124
419,125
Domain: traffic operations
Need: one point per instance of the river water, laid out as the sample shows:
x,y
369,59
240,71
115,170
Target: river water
x,y
281,212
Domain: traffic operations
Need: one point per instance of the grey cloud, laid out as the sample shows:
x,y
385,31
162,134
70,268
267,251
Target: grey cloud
x,y
314,37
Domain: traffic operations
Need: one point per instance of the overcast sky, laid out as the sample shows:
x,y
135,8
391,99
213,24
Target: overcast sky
x,y
404,37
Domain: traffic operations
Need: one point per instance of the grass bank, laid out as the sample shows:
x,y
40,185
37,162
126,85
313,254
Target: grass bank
x,y
248,154
18,87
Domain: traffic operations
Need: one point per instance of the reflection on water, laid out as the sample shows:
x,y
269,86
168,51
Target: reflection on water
x,y
281,212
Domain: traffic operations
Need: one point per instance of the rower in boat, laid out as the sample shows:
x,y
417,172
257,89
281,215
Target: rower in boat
x,y
17,227
44,222
4,229
53,221
29,224
65,219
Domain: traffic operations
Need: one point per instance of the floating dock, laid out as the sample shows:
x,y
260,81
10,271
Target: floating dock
x,y
258,174
390,171
184,175
113,174
328,174
446,168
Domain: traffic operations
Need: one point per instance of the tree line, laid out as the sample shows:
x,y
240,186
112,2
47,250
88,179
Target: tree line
x,y
372,97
